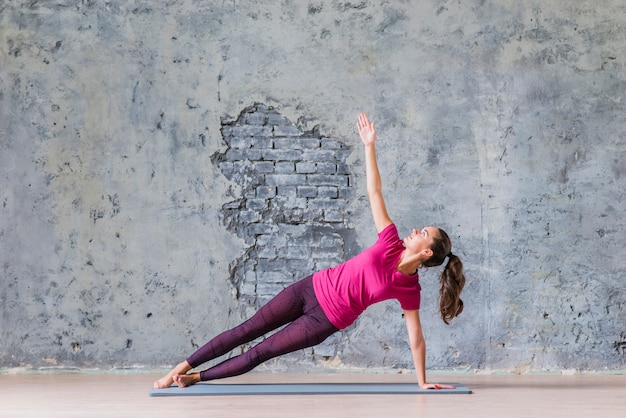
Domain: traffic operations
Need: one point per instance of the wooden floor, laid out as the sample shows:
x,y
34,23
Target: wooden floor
x,y
126,395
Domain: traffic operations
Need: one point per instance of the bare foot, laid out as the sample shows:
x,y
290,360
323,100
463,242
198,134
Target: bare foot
x,y
167,380
184,380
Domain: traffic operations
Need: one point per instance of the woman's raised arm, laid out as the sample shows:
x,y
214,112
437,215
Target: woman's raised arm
x,y
367,132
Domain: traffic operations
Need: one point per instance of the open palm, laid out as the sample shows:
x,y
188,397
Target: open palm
x,y
367,131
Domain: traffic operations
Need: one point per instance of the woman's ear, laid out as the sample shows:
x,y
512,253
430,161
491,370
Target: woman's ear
x,y
427,252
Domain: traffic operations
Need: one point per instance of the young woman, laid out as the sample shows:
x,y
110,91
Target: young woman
x,y
321,304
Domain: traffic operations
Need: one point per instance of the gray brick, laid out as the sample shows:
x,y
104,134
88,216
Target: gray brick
x,y
240,142
226,168
267,251
297,143
262,229
274,277
262,142
233,154
248,240
293,230
269,290
285,167
231,205
249,276
286,130
300,252
285,179
250,265
254,154
273,240
327,191
331,241
251,130
327,204
259,300
292,202
249,216
243,177
318,155
264,264
342,154
243,166
333,215
327,168
300,202
343,168
264,166
294,215
307,191
346,193
282,155
227,133
287,191
325,253
326,180
331,144
248,288
256,204
256,118
301,267
277,119
306,167
265,192
313,215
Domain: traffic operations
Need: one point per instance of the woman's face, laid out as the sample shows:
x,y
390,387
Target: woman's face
x,y
420,239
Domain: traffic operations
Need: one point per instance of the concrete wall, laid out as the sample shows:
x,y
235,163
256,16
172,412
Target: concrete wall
x,y
165,167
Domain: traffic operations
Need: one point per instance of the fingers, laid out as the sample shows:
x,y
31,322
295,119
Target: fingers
x,y
366,129
438,386
363,119
364,125
441,386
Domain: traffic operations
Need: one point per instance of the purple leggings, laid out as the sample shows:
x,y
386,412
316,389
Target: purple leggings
x,y
296,305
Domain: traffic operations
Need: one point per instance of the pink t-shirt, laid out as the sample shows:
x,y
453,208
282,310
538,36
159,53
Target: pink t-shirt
x,y
346,290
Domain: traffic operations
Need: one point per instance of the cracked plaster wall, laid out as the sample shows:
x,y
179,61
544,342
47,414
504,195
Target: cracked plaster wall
x,y
127,201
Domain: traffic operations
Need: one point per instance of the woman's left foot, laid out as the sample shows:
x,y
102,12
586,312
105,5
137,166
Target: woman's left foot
x,y
184,380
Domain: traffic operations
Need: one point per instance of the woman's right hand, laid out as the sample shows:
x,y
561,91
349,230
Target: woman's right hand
x,y
367,131
436,386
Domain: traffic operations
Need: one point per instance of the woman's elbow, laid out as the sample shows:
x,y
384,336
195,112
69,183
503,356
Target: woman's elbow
x,y
374,191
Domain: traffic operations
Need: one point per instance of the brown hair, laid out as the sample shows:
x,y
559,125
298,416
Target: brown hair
x,y
452,278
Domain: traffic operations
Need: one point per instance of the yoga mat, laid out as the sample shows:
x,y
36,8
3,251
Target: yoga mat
x,y
217,389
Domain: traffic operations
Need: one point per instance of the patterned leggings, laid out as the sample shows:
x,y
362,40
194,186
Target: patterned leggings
x,y
296,305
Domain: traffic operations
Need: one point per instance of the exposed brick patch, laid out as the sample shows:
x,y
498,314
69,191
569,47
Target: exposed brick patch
x,y
292,212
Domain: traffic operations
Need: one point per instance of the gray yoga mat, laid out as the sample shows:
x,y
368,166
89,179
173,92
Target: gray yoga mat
x,y
217,389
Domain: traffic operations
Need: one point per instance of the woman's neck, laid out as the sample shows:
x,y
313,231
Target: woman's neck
x,y
408,265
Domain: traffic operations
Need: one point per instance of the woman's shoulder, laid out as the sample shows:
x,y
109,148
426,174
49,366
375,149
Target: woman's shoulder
x,y
389,237
390,229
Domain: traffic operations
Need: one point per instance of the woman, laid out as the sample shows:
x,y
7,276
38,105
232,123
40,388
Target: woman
x,y
322,304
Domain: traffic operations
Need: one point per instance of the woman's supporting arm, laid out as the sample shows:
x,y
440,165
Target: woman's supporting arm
x,y
418,349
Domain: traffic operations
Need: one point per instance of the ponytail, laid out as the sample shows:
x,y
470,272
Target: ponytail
x,y
452,278
452,282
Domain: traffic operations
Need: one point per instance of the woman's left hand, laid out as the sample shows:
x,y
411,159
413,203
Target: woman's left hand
x,y
437,386
367,131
